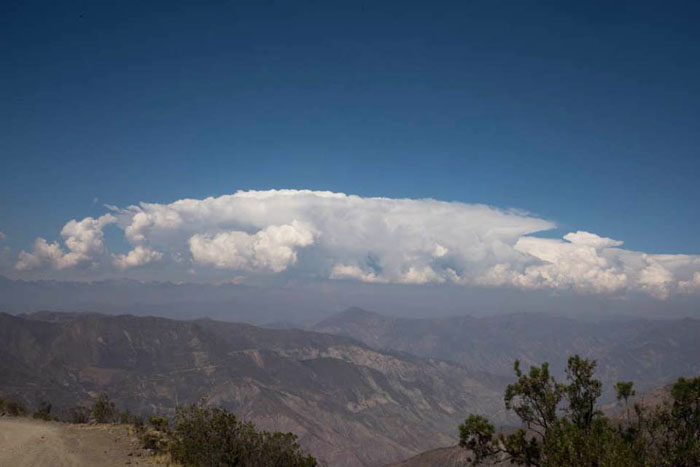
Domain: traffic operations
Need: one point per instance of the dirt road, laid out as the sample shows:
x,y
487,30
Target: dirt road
x,y
33,443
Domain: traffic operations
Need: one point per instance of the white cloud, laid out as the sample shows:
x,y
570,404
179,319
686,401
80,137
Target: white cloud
x,y
43,252
656,279
84,240
592,240
139,256
342,271
421,275
590,263
583,262
338,236
272,248
691,285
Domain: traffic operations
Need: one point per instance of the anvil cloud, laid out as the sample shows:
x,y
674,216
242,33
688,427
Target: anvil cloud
x,y
345,237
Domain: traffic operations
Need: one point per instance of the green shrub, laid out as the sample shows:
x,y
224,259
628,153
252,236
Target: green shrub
x,y
156,441
125,417
158,423
44,412
215,437
78,414
12,408
104,410
137,421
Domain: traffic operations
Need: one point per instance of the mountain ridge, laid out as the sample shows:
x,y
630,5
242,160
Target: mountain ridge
x,y
650,352
350,405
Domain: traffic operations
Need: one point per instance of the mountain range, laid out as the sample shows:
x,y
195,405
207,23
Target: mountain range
x,y
350,405
649,352
358,388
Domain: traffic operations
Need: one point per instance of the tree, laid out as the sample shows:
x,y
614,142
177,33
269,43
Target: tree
x,y
563,425
671,432
104,410
582,392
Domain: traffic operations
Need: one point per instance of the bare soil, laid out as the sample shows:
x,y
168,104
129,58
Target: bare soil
x,y
26,442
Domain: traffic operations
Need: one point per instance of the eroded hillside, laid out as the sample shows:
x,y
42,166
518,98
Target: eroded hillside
x,y
349,404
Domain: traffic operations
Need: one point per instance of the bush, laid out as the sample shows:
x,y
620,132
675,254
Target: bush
x,y
104,410
78,414
12,408
137,421
154,436
158,423
44,412
215,437
156,441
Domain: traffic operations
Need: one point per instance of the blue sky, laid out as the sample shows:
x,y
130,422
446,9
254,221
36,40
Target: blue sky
x,y
585,115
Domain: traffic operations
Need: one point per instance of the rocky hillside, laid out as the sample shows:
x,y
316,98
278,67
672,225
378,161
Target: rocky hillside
x,y
349,404
649,352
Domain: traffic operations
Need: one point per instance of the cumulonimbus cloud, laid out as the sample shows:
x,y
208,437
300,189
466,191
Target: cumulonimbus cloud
x,y
346,237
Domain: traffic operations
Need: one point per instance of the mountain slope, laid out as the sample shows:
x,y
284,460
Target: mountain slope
x,y
649,352
349,404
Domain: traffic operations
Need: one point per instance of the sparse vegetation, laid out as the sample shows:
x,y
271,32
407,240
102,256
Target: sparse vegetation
x,y
563,425
199,436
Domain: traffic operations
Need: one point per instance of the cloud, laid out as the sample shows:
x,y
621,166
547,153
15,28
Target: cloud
x,y
581,238
692,285
583,261
83,239
589,263
343,271
139,256
336,236
272,248
43,252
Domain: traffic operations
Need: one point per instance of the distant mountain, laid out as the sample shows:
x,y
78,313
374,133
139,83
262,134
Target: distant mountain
x,y
303,302
350,405
226,301
649,352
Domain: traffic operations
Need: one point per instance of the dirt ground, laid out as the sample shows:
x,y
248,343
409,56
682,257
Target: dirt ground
x,y
26,442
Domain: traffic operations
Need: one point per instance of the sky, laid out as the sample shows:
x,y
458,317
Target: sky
x,y
543,144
